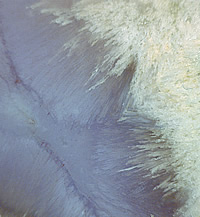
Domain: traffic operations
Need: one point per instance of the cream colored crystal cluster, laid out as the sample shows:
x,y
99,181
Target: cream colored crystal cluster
x,y
162,37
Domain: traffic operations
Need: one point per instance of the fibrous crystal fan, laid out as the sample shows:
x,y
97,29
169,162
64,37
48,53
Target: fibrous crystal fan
x,y
99,108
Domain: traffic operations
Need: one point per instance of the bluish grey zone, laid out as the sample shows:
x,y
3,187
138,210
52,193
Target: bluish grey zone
x,y
64,152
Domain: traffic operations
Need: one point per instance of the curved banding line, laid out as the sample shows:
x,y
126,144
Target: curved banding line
x,y
157,40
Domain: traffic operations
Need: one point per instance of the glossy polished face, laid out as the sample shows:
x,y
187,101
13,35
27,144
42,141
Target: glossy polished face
x,y
99,108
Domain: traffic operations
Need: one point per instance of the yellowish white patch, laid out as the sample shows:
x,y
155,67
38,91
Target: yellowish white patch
x,y
163,38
